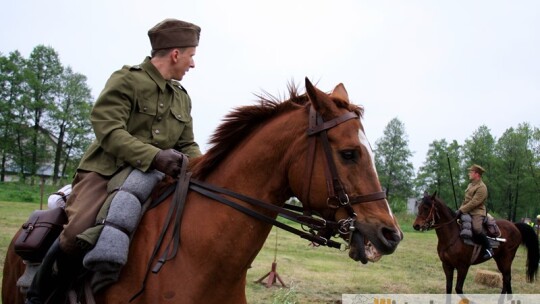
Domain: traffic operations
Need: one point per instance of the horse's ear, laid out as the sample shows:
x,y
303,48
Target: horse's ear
x,y
434,195
340,92
317,97
321,101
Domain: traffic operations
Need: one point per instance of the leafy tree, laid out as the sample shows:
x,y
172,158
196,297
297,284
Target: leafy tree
x,y
480,149
68,119
434,175
11,90
43,74
392,159
511,171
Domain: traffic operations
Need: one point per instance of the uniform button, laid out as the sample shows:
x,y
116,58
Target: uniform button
x,y
144,109
156,131
159,118
139,162
161,105
178,116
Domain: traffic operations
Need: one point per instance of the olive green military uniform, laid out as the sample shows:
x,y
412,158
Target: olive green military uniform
x,y
137,114
474,204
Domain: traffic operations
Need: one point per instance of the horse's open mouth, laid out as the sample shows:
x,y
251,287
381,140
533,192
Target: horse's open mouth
x,y
363,250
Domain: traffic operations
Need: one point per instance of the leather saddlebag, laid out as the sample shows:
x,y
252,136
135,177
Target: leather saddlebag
x,y
492,227
39,232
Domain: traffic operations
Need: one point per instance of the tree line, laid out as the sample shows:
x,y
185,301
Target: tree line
x,y
44,110
512,164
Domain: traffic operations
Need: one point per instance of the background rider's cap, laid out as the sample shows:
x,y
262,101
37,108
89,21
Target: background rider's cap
x,y
171,33
478,169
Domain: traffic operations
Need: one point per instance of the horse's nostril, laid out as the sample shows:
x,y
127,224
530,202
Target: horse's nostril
x,y
391,234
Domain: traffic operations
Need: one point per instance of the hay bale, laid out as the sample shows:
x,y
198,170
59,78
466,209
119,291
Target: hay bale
x,y
488,278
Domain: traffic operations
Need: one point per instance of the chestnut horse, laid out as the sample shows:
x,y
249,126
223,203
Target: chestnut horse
x,y
433,213
313,147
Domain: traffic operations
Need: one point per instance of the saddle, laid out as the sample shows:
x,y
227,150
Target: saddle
x,y
490,229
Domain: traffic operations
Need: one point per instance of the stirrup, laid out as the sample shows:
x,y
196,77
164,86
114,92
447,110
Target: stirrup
x,y
488,254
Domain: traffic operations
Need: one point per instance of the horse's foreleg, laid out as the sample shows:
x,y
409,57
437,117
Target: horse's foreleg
x,y
449,273
461,275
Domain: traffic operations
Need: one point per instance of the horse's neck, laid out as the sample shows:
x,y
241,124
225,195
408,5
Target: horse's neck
x,y
447,227
259,167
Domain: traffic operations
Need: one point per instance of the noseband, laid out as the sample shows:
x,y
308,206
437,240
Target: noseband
x,y
430,219
337,194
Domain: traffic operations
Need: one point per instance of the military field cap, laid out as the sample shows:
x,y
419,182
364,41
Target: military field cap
x,y
478,169
171,33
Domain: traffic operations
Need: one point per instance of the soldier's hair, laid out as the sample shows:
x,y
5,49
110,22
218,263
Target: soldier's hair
x,y
165,52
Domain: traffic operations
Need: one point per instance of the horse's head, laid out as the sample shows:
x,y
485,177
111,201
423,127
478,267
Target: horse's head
x,y
338,179
428,212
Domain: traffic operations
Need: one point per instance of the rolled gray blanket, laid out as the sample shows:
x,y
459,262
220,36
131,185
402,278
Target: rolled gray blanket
x,y
110,253
466,217
112,247
125,211
141,184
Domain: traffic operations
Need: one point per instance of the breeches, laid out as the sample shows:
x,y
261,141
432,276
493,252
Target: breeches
x,y
89,191
477,223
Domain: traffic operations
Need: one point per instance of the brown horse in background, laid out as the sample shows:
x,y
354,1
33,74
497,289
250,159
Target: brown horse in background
x,y
433,213
269,152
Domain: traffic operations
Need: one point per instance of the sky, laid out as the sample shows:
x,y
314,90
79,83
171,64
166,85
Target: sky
x,y
443,68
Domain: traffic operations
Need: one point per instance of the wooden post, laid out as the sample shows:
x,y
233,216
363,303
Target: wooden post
x,y
272,275
41,190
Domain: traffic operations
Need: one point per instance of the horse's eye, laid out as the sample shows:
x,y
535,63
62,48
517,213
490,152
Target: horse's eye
x,y
349,155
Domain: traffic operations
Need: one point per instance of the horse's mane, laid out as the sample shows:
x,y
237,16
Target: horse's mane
x,y
443,203
240,122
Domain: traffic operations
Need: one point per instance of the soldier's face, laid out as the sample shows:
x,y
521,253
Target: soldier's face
x,y
183,62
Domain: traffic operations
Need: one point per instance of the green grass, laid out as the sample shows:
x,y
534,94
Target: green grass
x,y
321,274
20,192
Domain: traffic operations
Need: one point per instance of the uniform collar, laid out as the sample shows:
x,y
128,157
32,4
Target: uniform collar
x,y
476,182
154,74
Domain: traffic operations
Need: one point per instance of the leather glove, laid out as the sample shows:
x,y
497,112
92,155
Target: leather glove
x,y
168,161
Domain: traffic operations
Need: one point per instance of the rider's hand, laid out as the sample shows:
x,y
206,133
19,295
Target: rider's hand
x,y
168,161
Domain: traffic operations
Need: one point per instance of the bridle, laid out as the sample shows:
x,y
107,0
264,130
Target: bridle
x,y
337,194
433,216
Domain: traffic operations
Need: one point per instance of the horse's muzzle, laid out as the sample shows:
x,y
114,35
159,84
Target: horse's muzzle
x,y
369,242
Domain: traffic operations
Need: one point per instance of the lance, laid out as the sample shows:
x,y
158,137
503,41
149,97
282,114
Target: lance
x,y
451,179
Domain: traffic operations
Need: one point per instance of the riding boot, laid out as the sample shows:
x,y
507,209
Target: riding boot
x,y
487,246
54,276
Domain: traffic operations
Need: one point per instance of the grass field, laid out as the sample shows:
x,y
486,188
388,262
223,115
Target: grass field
x,y
322,275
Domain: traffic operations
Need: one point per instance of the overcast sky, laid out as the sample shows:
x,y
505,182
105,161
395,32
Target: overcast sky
x,y
443,68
